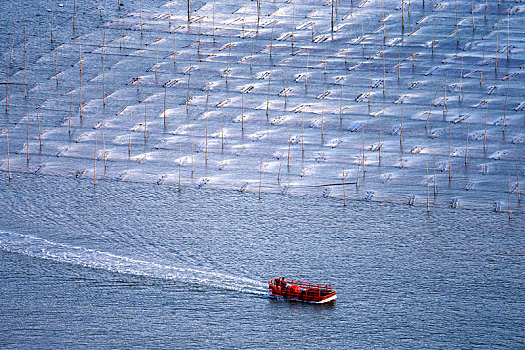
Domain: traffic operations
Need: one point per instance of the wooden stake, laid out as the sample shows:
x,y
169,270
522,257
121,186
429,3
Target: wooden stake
x,y
280,165
188,11
191,155
74,13
428,203
25,58
379,135
384,70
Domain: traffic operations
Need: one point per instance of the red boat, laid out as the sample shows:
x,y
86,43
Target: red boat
x,y
302,291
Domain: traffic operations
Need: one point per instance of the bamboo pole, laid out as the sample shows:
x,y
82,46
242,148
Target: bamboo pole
x,y
206,140
145,118
164,111
129,138
280,166
8,160
271,40
141,24
180,163
445,96
379,135
434,179
517,176
432,105
384,69
449,164
38,122
27,139
485,133
401,127
104,149
341,104
260,176
138,71
103,68
228,63
460,78
508,195
175,48
284,88
481,68
188,92
466,142
188,11
213,20
306,75
192,155
70,112
74,14
302,132
289,144
95,163
293,23
497,44
363,148
25,58
344,192
472,11
322,112
268,94
52,15
80,74
505,108
222,128
428,202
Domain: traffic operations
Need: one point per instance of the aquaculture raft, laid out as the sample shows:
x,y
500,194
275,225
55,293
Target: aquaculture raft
x,y
301,291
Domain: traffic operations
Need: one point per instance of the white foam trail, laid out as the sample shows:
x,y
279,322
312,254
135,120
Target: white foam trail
x,y
44,249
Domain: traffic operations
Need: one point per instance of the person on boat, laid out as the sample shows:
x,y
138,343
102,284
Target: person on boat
x,y
283,283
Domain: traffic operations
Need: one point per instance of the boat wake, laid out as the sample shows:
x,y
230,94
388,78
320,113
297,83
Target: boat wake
x,y
44,249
